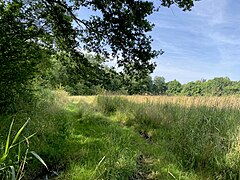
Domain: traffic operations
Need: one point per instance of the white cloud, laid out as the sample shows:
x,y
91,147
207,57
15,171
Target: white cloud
x,y
213,11
225,39
203,43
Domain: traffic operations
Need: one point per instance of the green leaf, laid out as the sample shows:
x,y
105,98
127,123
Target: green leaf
x,y
8,138
19,152
13,173
39,158
19,132
3,157
26,138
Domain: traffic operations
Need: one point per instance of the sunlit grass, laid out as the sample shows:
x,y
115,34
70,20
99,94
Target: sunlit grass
x,y
199,136
134,137
220,102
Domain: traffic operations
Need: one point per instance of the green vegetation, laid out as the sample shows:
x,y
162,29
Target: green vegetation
x,y
114,138
43,43
107,80
14,167
44,46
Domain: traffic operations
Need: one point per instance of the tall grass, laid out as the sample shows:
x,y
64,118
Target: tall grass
x,y
131,137
12,165
203,135
49,118
219,102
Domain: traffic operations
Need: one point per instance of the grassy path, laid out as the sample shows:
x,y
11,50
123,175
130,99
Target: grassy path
x,y
109,137
119,139
101,146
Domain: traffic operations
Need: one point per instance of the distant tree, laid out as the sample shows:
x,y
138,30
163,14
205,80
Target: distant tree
x,y
232,90
66,74
216,86
114,82
160,86
140,86
193,89
174,87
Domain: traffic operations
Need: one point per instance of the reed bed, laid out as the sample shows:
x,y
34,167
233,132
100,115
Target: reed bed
x,y
201,132
123,137
220,102
87,99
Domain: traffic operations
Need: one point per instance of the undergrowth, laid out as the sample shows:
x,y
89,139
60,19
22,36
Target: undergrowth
x,y
201,138
113,138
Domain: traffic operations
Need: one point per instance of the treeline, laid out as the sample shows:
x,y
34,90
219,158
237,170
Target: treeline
x,y
40,48
105,79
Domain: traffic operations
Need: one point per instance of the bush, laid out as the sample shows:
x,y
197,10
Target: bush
x,y
110,104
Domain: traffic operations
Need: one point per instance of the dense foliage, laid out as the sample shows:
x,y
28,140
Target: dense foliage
x,y
21,56
43,45
32,32
109,80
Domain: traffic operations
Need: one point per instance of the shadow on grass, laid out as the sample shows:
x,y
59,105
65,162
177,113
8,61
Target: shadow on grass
x,y
198,138
131,141
100,148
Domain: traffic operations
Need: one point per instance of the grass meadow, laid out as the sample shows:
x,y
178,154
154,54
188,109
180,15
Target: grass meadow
x,y
132,137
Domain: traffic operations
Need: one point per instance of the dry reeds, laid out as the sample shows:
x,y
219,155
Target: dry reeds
x,y
220,102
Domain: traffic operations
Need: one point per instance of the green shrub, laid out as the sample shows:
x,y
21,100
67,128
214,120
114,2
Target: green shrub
x,y
110,104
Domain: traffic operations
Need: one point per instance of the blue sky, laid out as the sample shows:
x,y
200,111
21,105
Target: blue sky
x,y
203,43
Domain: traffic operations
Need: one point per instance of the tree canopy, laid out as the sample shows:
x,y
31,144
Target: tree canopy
x,y
31,31
120,31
